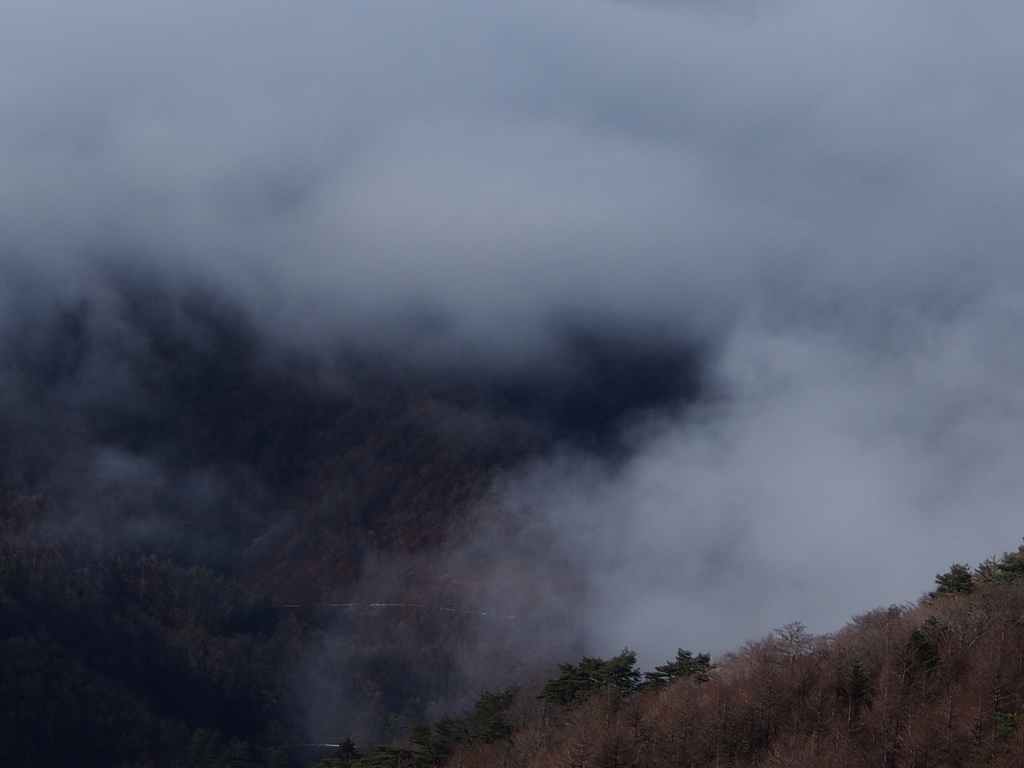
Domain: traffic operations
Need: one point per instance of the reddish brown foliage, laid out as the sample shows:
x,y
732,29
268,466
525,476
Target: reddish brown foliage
x,y
941,684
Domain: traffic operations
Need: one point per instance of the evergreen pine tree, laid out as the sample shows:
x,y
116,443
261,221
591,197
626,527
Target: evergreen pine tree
x,y
685,665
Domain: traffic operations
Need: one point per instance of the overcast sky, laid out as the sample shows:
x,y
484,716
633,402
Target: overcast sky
x,y
829,195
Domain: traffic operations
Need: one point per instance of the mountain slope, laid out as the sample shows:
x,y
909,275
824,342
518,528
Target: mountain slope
x,y
940,683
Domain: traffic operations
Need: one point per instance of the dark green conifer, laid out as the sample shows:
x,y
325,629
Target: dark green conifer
x,y
685,665
959,580
347,754
576,684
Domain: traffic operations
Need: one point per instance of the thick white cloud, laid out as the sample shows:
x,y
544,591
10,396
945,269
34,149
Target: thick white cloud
x,y
830,193
495,161
833,480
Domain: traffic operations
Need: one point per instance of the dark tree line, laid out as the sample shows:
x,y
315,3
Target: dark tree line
x,y
937,684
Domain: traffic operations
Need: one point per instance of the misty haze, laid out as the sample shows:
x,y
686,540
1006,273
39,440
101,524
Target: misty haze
x,y
362,363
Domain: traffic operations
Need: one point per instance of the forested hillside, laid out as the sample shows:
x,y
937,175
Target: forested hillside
x,y
939,683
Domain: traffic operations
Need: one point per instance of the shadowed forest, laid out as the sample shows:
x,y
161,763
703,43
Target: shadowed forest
x,y
211,545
